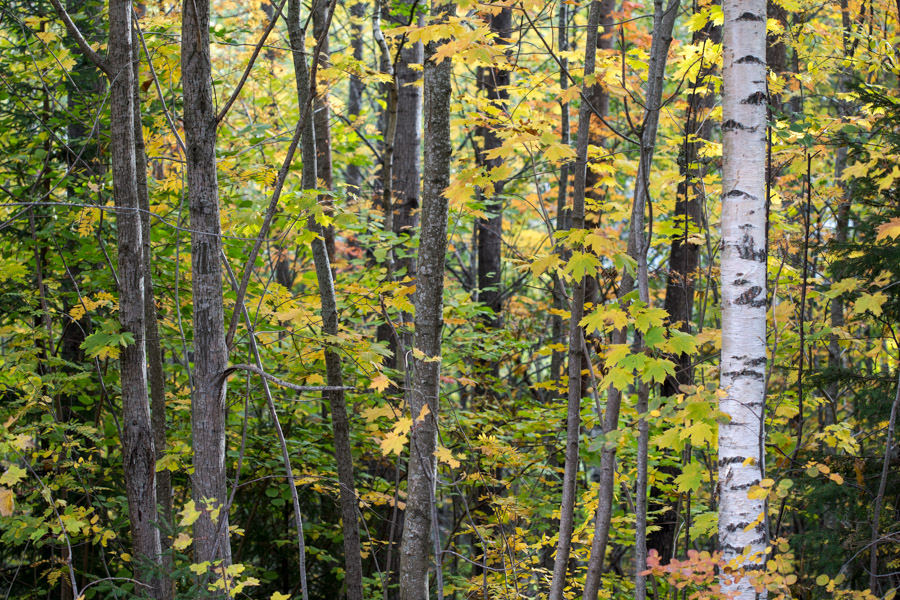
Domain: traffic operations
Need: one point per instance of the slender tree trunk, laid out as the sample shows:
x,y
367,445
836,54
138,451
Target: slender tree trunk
x,y
211,537
353,176
576,339
322,121
683,262
494,82
154,350
743,286
138,452
663,24
306,94
425,390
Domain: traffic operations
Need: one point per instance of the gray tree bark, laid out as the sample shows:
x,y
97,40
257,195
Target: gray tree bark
x,y
309,144
425,390
151,323
576,337
139,456
211,537
744,252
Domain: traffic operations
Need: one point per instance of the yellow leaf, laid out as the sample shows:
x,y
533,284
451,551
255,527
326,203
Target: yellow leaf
x,y
889,229
393,443
371,414
423,413
870,302
7,502
279,596
381,383
182,541
45,36
125,556
189,514
446,456
315,379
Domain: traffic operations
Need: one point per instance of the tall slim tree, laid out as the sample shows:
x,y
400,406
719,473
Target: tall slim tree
x,y
137,437
211,537
494,81
425,392
310,144
576,337
744,252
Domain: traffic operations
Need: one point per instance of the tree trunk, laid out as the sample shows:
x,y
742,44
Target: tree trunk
x,y
322,123
683,262
309,145
743,279
429,321
139,456
576,338
211,537
353,176
151,324
494,82
663,24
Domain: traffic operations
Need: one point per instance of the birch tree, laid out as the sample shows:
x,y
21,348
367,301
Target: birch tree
x,y
742,372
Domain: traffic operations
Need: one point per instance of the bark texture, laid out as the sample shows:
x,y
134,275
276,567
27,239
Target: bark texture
x,y
310,144
137,438
576,339
494,82
422,476
211,537
743,279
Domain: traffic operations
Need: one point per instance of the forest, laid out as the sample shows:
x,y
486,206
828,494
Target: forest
x,y
449,299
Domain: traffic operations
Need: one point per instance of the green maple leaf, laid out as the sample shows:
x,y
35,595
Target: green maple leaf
x,y
691,478
681,343
618,378
654,337
656,369
582,264
699,433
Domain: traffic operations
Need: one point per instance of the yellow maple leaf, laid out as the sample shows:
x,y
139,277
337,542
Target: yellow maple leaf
x,y
889,229
394,443
446,456
423,413
7,502
381,383
371,414
279,596
189,514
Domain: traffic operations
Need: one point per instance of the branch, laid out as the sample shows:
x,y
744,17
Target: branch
x,y
281,382
262,40
79,39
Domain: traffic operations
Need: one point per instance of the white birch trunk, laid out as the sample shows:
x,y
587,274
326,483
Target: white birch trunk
x,y
741,523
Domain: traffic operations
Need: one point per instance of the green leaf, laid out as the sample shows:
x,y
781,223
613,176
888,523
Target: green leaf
x,y
12,476
691,478
583,264
654,337
699,433
618,378
656,369
681,343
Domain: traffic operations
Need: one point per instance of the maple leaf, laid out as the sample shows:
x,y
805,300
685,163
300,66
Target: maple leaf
x,y
871,302
381,383
371,414
582,264
544,263
680,342
618,378
699,433
7,502
890,229
615,353
559,152
279,596
189,514
13,475
656,369
691,478
423,413
446,456
394,443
